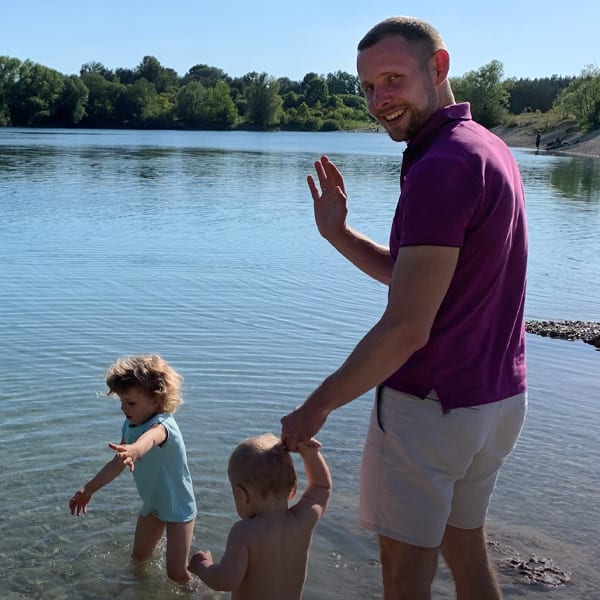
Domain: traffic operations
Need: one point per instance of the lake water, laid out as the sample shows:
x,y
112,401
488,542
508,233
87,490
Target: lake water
x,y
201,246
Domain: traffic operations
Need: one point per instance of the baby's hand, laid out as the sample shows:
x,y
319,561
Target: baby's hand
x,y
201,560
309,445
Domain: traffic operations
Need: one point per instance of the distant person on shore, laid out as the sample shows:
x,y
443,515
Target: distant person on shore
x,y
152,449
538,139
447,355
267,551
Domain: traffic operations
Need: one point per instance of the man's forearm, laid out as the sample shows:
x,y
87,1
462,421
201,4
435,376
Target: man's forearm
x,y
383,350
371,258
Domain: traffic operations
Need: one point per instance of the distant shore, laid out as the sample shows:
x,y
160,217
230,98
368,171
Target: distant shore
x,y
573,141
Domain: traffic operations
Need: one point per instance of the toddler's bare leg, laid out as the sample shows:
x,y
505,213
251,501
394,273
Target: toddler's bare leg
x,y
148,532
179,542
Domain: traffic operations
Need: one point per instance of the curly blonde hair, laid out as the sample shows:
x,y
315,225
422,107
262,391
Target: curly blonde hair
x,y
151,374
263,464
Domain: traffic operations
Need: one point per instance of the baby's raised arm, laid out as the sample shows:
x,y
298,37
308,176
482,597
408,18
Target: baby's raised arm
x,y
319,484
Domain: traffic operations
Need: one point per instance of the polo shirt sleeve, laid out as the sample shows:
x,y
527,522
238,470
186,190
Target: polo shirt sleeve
x,y
438,199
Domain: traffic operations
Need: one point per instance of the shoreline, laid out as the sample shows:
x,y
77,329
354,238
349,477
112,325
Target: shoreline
x,y
574,141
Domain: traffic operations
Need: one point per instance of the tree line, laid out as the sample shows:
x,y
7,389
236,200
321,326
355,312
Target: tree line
x,y
154,96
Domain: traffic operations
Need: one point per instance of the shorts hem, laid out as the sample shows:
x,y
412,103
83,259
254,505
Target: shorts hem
x,y
394,535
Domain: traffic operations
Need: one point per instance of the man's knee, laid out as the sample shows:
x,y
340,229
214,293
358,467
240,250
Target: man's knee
x,y
465,551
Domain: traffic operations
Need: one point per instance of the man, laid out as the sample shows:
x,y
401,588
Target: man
x,y
448,353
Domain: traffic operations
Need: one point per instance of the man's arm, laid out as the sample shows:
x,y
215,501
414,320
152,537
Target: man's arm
x,y
330,216
129,453
421,278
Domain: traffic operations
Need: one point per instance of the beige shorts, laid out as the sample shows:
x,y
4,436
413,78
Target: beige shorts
x,y
423,469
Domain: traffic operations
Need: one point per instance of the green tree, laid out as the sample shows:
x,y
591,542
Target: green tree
x,y
263,100
486,92
219,107
342,82
286,85
535,94
70,106
35,95
581,98
292,100
140,104
126,76
206,108
9,73
96,67
149,69
163,78
206,75
316,92
189,103
103,98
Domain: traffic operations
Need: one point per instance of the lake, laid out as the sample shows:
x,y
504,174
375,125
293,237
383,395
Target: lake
x,y
201,246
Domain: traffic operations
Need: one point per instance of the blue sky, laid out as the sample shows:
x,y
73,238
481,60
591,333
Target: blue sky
x,y
532,38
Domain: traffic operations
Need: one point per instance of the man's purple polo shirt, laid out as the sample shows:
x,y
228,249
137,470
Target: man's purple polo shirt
x,y
461,187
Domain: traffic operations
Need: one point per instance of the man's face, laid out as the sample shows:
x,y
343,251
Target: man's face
x,y
399,89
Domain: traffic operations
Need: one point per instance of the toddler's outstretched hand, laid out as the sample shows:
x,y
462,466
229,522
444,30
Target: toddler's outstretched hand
x,y
78,503
126,454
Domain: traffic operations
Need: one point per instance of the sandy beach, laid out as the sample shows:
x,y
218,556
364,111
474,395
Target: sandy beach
x,y
574,141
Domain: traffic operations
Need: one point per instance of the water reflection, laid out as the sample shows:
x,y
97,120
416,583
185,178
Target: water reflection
x,y
577,178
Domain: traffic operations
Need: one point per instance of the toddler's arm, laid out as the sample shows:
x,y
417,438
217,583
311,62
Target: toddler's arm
x,y
129,453
228,574
318,477
81,498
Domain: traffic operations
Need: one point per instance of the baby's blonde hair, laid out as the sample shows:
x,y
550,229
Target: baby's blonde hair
x,y
263,464
152,375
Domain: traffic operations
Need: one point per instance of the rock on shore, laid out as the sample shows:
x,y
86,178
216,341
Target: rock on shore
x,y
588,331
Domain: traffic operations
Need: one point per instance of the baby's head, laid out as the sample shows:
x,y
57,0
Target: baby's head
x,y
152,375
263,466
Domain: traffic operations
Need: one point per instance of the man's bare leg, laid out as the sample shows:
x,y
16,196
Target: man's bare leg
x,y
407,570
465,552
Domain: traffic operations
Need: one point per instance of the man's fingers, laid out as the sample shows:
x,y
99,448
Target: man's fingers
x,y
312,186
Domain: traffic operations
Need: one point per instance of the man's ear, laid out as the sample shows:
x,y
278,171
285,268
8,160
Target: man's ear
x,y
440,62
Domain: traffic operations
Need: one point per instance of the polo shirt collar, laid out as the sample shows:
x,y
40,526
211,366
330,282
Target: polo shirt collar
x,y
452,112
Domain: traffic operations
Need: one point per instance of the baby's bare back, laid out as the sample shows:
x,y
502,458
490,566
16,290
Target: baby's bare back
x,y
278,547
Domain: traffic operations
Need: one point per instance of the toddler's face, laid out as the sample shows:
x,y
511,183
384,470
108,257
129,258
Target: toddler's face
x,y
137,406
